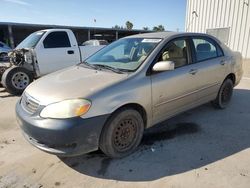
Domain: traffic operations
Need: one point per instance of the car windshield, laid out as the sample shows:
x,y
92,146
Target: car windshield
x,y
31,40
125,54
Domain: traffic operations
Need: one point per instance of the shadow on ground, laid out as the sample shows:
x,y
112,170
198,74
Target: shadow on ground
x,y
188,141
4,93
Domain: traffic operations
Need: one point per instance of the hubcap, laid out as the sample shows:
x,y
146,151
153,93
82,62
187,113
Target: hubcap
x,y
124,134
20,80
226,94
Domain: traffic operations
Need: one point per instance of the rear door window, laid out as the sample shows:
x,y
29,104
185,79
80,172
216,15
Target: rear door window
x,y
58,39
205,49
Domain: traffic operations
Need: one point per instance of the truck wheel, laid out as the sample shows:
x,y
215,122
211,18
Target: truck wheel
x,y
16,79
122,133
224,95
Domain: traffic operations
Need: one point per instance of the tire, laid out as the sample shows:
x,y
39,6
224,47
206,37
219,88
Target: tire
x,y
224,95
16,79
122,133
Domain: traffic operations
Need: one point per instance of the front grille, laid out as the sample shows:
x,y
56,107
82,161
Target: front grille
x,y
29,104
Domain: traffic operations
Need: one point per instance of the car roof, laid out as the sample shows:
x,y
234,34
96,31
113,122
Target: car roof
x,y
169,34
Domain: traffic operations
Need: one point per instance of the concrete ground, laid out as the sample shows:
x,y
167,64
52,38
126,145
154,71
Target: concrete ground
x,y
203,147
246,67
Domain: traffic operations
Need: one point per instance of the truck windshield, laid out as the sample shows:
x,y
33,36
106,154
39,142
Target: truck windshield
x,y
125,54
31,40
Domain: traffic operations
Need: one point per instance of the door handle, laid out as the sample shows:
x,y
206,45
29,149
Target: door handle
x,y
70,51
223,62
193,71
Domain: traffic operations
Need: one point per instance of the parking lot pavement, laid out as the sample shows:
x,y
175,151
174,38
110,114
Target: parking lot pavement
x,y
203,147
246,67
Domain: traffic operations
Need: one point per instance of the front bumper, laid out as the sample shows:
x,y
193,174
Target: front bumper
x,y
62,137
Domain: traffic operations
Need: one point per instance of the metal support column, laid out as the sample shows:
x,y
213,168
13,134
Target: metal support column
x,y
11,38
88,34
116,35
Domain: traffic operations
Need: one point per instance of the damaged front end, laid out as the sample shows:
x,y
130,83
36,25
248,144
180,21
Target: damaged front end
x,y
25,58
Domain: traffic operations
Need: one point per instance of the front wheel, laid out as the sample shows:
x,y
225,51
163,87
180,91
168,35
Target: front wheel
x,y
122,133
224,95
16,79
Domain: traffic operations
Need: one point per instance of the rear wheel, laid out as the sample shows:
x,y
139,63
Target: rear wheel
x,y
122,133
225,94
16,79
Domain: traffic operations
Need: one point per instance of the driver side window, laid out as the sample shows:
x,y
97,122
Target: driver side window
x,y
175,51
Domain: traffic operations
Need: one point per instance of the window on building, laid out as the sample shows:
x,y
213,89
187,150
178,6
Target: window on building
x,y
221,33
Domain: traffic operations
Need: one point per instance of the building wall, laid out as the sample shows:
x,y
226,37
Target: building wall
x,y
208,16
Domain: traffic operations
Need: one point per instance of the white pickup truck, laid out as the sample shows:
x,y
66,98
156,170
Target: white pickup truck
x,y
43,52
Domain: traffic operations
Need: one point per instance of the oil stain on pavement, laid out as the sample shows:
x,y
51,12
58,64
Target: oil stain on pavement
x,y
104,166
100,163
178,129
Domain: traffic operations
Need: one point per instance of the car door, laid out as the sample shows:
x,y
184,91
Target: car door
x,y
56,52
174,91
210,66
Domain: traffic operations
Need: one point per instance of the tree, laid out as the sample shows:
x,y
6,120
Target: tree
x,y
159,28
129,25
117,27
145,28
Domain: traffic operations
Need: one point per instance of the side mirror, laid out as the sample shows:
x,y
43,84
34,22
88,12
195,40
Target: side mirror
x,y
163,66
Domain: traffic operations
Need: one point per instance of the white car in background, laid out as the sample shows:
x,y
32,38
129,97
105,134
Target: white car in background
x,y
41,53
4,50
95,42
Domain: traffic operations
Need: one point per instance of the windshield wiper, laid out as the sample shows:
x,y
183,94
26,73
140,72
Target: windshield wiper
x,y
119,71
88,65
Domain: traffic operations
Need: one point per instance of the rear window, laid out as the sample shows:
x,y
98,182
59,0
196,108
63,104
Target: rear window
x,y
205,49
58,39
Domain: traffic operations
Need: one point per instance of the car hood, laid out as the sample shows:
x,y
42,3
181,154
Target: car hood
x,y
73,82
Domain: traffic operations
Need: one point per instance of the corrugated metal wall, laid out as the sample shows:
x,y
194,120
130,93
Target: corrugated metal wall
x,y
232,14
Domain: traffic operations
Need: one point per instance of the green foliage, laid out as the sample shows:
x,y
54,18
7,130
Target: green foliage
x,y
158,28
145,28
129,25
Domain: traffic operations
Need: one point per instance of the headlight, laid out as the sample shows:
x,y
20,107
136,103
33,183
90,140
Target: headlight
x,y
28,57
66,109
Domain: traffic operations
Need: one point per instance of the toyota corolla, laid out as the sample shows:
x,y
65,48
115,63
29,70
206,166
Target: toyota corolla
x,y
132,84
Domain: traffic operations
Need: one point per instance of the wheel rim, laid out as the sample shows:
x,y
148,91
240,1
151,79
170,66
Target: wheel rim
x,y
226,94
124,135
20,80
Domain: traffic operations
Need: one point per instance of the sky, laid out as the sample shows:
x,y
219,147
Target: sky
x,y
142,13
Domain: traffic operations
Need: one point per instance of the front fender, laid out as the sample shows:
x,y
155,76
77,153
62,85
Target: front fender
x,y
131,91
